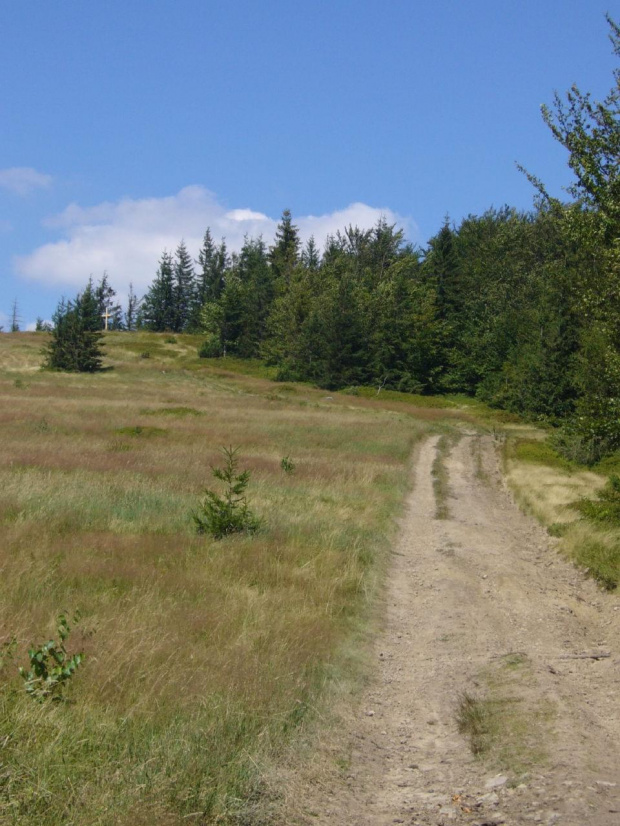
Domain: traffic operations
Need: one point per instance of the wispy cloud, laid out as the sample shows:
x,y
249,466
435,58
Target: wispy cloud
x,y
126,238
23,179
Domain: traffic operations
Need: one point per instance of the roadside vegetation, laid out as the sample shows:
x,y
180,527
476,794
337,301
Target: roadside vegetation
x,y
199,658
577,504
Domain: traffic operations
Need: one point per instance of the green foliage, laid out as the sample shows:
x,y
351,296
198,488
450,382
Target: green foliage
x,y
287,464
211,323
600,557
606,507
180,411
220,516
576,446
42,326
159,311
183,289
590,131
75,344
538,452
284,254
558,529
51,667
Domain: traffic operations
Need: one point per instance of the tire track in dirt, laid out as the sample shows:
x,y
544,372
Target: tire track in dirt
x,y
468,598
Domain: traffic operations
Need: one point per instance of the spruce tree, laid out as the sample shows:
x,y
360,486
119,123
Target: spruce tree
x,y
284,254
311,257
158,310
133,307
75,343
206,258
184,289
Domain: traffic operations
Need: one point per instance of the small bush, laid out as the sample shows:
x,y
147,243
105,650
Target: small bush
x,y
145,354
220,516
580,448
210,348
606,508
170,340
287,464
51,667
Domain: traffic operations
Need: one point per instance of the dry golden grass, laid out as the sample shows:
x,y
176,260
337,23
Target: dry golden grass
x,y
548,487
549,492
203,657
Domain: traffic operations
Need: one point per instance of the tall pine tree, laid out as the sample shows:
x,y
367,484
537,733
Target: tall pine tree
x,y
158,310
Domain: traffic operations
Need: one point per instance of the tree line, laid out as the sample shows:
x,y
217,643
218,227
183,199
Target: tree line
x,y
520,308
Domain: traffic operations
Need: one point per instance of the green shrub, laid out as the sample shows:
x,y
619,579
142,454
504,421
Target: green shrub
x,y
287,464
606,508
580,448
220,516
210,348
51,667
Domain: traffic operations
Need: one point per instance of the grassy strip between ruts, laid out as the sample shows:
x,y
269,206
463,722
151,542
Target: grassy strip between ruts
x,y
202,657
441,480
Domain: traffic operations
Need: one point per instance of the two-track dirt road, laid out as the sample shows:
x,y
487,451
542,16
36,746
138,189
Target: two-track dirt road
x,y
481,604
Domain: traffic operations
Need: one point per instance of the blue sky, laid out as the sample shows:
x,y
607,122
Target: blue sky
x,y
127,126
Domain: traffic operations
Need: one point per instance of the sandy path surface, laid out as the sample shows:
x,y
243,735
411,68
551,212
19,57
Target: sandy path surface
x,y
480,603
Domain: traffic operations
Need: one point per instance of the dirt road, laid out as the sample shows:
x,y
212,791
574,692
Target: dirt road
x,y
480,606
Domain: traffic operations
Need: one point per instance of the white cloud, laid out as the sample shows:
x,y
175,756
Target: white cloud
x,y
126,238
23,179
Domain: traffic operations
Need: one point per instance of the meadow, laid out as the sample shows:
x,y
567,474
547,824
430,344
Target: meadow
x,y
204,659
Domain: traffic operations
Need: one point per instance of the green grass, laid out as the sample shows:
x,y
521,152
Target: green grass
x,y
505,725
171,411
414,399
204,659
144,431
539,452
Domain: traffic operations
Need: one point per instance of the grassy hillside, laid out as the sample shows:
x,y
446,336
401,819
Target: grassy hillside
x,y
202,657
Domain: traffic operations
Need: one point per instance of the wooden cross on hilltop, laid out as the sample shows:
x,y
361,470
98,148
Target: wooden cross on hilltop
x,y
106,316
